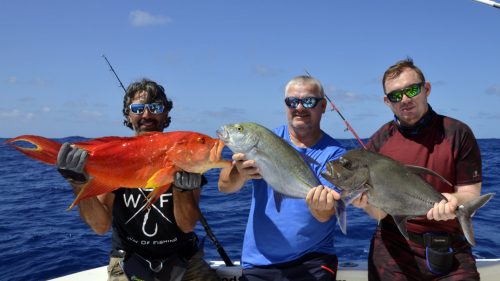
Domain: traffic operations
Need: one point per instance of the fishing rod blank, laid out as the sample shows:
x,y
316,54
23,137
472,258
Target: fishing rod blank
x,y
216,243
346,123
489,2
351,129
114,72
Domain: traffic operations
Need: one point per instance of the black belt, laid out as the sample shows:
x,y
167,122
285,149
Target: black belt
x,y
426,239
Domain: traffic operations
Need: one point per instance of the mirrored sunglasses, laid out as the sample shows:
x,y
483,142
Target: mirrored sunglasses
x,y
309,102
410,91
154,108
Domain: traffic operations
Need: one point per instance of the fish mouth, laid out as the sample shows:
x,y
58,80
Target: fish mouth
x,y
222,133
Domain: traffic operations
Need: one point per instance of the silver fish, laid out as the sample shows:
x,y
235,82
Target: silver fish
x,y
279,163
395,188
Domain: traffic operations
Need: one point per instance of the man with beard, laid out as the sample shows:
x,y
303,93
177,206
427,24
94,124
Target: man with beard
x,y
154,243
295,243
436,248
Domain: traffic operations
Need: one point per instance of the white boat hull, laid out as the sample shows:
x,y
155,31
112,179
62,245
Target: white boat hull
x,y
489,269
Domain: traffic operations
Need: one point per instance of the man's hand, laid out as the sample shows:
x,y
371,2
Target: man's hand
x,y
321,202
187,181
71,162
322,198
361,201
246,167
444,210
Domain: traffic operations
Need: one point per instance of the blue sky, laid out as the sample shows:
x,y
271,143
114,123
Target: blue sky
x,y
228,61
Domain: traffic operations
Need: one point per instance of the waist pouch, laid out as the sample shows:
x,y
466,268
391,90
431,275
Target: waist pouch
x,y
438,253
138,268
171,268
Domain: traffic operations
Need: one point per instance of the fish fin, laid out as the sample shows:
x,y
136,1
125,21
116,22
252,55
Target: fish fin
x,y
90,189
401,223
341,213
97,141
466,211
308,159
424,171
45,149
303,181
278,198
160,182
350,195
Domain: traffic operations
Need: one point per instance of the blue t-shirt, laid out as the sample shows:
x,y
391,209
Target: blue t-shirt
x,y
273,237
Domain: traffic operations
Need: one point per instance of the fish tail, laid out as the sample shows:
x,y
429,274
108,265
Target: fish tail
x,y
465,213
45,150
341,213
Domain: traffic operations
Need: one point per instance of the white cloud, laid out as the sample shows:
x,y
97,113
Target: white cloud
x,y
140,18
88,113
265,71
40,83
12,80
46,109
494,90
16,114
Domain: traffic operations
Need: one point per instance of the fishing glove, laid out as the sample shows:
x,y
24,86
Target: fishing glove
x,y
187,181
71,162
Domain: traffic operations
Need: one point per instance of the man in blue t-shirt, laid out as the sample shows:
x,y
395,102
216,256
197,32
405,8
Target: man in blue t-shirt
x,y
295,243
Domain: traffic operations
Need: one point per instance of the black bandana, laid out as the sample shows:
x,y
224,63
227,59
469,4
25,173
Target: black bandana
x,y
415,129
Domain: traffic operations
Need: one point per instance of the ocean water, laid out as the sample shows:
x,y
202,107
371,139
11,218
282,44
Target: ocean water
x,y
40,240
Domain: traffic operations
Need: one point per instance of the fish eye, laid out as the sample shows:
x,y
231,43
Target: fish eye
x,y
201,140
239,128
346,163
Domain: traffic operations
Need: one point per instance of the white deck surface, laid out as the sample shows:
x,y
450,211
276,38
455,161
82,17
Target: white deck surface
x,y
488,268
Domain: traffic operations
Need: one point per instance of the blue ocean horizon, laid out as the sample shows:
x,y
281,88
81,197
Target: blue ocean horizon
x,y
40,240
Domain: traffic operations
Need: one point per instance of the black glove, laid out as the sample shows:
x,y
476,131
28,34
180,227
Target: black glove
x,y
187,181
71,162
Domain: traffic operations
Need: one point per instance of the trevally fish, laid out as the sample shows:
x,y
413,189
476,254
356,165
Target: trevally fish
x,y
279,163
395,188
146,161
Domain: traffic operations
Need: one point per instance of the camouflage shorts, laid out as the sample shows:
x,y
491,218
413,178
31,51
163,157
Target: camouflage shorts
x,y
115,271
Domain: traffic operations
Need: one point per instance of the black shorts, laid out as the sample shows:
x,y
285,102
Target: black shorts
x,y
314,266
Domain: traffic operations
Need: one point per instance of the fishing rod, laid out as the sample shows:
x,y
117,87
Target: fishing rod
x,y
489,2
203,221
218,246
114,72
349,127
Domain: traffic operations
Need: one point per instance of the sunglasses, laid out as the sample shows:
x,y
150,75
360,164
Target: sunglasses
x,y
410,91
154,108
309,102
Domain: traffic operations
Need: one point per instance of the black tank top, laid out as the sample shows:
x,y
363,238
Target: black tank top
x,y
151,233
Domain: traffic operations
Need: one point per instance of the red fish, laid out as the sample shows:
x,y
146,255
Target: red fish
x,y
147,161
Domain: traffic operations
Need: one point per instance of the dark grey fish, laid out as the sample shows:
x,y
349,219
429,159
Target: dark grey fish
x,y
395,188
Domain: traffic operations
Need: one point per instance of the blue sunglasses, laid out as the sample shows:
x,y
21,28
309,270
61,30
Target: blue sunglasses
x,y
309,102
154,108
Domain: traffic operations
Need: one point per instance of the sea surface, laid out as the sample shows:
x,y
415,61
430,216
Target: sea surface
x,y
40,240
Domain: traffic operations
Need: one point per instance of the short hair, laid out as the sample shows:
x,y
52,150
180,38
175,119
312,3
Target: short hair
x,y
308,80
395,70
154,92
